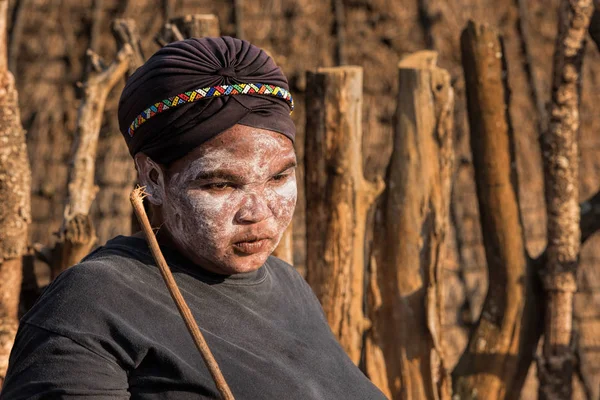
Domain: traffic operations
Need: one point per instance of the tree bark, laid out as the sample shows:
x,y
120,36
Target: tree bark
x,y
560,154
198,25
15,210
194,25
77,234
589,224
337,200
501,348
404,354
125,32
339,18
168,33
238,11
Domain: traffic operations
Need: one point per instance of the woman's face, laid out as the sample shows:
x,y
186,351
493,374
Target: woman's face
x,y
226,204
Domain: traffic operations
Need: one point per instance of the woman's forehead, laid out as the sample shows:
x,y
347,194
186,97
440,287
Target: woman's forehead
x,y
242,147
241,138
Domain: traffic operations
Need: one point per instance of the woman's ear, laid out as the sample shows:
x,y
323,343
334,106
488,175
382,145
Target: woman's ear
x,y
152,177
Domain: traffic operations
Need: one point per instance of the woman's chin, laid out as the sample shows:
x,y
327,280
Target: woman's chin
x,y
233,261
241,263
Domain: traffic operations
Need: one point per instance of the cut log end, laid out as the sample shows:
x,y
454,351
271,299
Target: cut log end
x,y
425,59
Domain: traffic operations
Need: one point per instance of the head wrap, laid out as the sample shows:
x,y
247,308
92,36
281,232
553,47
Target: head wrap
x,y
156,120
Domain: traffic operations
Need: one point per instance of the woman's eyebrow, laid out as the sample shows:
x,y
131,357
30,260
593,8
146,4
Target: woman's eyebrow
x,y
232,177
291,164
218,174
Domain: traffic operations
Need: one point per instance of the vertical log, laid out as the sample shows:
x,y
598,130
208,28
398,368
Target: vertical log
x,y
339,18
501,348
560,153
337,200
194,25
198,25
167,6
15,188
403,351
16,33
238,13
3,35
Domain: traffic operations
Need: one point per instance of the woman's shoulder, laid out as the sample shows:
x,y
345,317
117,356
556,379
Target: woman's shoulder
x,y
100,286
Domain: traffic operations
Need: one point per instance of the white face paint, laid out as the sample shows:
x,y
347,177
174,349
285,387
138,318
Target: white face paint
x,y
227,203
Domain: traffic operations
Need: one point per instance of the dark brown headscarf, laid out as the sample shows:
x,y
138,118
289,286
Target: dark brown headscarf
x,y
199,63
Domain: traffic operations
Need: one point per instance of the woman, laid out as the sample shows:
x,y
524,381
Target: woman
x,y
208,124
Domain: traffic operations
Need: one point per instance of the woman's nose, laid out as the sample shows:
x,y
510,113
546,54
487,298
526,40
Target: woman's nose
x,y
254,209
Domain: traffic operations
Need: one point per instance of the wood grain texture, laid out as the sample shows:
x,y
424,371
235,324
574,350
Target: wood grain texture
x,y
500,349
15,205
404,354
338,199
560,151
188,26
198,25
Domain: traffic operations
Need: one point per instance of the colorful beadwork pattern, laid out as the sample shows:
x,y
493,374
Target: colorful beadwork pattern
x,y
205,93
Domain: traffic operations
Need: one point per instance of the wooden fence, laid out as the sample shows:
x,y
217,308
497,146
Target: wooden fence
x,y
384,299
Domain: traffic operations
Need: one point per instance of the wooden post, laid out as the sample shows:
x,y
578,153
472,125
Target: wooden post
x,y
125,32
337,200
238,11
15,188
501,348
77,234
560,154
196,25
403,351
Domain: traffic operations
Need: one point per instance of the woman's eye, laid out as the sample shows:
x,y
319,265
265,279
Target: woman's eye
x,y
279,177
218,186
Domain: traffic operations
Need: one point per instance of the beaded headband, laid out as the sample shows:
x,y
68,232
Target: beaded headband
x,y
209,92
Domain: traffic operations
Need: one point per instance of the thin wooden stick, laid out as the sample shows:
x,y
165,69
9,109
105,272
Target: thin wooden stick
x,y
560,155
136,198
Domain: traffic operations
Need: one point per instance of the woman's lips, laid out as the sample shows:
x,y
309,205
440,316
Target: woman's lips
x,y
252,246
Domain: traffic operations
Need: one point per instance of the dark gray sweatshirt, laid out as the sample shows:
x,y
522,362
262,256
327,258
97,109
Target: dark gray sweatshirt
x,y
108,329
